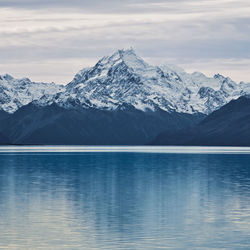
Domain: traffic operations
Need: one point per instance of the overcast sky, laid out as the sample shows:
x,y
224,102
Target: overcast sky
x,y
50,40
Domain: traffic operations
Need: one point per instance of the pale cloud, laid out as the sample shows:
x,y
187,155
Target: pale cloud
x,y
234,68
64,36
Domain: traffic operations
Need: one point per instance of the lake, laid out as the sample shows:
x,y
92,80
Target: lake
x,y
124,198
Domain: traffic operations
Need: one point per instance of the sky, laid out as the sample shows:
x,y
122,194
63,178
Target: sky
x,y
51,40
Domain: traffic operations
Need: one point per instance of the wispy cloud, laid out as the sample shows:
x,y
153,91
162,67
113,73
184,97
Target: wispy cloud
x,y
35,32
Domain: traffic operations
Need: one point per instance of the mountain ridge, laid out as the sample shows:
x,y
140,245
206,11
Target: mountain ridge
x,y
123,100
55,125
228,126
124,78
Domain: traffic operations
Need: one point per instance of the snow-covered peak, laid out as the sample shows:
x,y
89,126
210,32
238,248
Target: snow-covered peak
x,y
126,56
15,93
121,58
115,64
123,79
132,60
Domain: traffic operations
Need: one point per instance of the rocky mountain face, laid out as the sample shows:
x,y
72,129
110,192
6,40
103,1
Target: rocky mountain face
x,y
16,93
124,79
122,100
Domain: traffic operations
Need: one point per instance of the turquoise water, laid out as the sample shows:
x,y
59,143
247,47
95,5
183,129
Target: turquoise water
x,y
124,198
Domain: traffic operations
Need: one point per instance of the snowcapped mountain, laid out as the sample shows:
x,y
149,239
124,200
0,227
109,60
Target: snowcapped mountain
x,y
15,93
122,100
124,79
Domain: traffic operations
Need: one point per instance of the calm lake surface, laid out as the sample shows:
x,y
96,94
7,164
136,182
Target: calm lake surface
x,y
124,198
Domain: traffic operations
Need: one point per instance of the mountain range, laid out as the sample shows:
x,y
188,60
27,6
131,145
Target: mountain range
x,y
122,100
227,126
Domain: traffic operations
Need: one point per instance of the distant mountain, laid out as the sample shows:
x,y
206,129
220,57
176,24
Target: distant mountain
x,y
126,79
15,93
228,126
120,100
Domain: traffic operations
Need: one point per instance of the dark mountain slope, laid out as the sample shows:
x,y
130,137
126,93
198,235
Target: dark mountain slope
x,y
4,140
228,126
55,125
3,116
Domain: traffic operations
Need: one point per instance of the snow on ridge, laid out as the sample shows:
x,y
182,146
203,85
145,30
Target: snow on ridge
x,y
123,78
15,93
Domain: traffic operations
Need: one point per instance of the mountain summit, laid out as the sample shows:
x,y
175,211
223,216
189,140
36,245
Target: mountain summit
x,y
121,80
126,79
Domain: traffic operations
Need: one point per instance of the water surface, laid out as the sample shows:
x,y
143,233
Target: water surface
x,y
97,199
